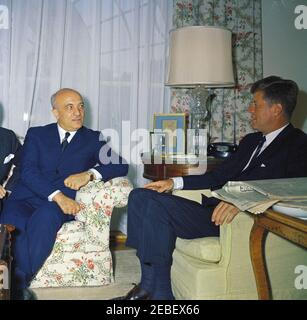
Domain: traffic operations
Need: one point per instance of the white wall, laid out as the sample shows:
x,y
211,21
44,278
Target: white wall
x,y
285,49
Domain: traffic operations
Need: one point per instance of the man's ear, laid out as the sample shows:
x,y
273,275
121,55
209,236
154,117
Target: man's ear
x,y
55,113
278,109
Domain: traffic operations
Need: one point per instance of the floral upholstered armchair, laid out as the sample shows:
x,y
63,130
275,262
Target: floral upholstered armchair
x,y
81,254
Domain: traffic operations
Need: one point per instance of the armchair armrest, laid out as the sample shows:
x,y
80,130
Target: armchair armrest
x,y
93,221
230,265
194,195
119,189
99,198
233,234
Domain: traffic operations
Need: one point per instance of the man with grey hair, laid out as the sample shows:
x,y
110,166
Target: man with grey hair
x,y
57,160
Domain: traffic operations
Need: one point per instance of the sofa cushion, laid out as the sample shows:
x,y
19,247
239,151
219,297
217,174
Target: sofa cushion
x,y
204,249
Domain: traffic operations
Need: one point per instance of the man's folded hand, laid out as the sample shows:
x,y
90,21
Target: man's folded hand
x,y
68,206
224,212
76,181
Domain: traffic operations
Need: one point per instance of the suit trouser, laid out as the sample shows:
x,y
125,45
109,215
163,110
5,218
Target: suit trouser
x,y
37,223
155,220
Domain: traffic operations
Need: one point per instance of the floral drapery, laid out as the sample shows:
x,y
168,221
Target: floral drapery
x,y
243,18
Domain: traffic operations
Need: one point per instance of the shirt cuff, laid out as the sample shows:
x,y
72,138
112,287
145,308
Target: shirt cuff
x,y
50,198
178,183
97,174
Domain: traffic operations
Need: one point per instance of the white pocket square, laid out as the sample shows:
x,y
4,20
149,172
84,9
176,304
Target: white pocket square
x,y
263,165
8,158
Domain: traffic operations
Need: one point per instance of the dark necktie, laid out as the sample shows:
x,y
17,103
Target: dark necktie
x,y
259,146
64,143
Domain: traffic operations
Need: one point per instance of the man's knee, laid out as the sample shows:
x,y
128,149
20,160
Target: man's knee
x,y
139,201
49,213
140,194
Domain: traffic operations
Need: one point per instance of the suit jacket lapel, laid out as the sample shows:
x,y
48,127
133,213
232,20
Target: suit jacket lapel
x,y
272,148
52,141
248,151
53,138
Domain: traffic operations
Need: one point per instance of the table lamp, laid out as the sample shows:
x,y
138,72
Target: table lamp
x,y
200,57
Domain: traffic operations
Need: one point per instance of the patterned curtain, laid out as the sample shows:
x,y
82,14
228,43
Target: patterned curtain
x,y
243,17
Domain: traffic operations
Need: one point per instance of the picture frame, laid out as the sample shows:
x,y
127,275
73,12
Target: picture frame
x,y
158,141
197,142
174,125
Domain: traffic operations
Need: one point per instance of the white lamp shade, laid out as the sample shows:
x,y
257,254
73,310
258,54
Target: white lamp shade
x,y
200,56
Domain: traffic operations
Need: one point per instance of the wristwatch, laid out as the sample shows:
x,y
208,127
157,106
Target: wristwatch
x,y
91,174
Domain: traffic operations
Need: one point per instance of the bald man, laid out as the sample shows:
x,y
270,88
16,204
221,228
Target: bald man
x,y
56,161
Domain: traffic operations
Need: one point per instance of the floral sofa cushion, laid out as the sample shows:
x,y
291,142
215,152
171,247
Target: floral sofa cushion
x,y
81,254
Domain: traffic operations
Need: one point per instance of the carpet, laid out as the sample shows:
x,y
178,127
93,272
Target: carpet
x,y
126,272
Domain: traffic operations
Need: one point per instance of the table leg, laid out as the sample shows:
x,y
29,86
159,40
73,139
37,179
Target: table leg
x,y
256,240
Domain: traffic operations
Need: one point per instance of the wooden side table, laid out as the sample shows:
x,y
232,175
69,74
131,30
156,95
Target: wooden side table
x,y
164,168
285,226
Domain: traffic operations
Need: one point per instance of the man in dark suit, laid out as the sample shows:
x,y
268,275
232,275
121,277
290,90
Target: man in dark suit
x,y
9,156
156,219
57,159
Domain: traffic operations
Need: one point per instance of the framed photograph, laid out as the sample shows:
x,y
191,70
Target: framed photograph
x,y
158,141
174,125
197,142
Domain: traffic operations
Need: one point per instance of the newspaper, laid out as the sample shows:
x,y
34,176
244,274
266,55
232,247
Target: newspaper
x,y
256,196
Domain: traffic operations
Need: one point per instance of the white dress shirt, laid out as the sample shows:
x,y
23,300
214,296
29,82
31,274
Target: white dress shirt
x,y
178,181
62,136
